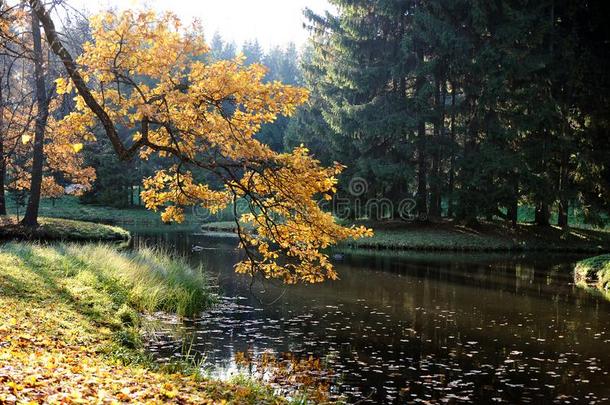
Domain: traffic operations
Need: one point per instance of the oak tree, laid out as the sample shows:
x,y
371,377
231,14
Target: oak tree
x,y
145,72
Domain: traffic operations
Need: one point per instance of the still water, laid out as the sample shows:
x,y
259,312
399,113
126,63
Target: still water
x,y
408,328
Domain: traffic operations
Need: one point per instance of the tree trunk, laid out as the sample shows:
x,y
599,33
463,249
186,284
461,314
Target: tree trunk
x,y
451,186
439,132
2,179
562,217
30,219
422,170
513,208
469,207
512,213
435,193
2,160
542,214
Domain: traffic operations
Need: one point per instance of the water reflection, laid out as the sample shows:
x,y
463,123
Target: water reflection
x,y
398,327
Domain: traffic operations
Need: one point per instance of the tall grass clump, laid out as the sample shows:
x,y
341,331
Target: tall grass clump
x,y
594,272
151,278
108,281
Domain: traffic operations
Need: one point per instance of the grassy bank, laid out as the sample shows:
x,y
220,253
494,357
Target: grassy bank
x,y
69,327
448,236
61,229
68,207
484,237
225,226
594,273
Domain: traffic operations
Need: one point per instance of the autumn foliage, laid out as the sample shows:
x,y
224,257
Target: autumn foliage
x,y
150,73
62,160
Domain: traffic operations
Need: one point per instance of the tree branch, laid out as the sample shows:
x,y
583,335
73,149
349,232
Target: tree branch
x,y
70,65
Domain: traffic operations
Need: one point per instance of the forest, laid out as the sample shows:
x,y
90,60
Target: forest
x,y
472,111
369,215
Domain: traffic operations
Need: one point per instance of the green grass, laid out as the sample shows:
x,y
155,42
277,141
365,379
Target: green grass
x,y
107,280
576,217
61,229
487,236
224,226
110,287
594,273
260,390
69,207
149,279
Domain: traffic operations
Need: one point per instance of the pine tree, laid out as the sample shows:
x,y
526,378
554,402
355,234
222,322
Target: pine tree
x,y
361,65
253,52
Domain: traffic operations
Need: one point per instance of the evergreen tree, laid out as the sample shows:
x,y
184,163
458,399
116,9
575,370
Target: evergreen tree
x,y
252,51
360,63
221,50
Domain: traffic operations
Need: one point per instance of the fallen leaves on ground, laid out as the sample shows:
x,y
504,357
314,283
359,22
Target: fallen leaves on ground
x,y
51,352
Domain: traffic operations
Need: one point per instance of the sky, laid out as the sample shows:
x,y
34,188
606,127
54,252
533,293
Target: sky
x,y
272,22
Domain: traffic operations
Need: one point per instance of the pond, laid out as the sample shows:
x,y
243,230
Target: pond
x,y
408,327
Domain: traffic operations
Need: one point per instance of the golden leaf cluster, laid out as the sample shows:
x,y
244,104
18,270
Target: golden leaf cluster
x,y
62,158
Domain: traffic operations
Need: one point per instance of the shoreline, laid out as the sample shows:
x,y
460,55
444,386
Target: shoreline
x,y
60,229
593,275
486,237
